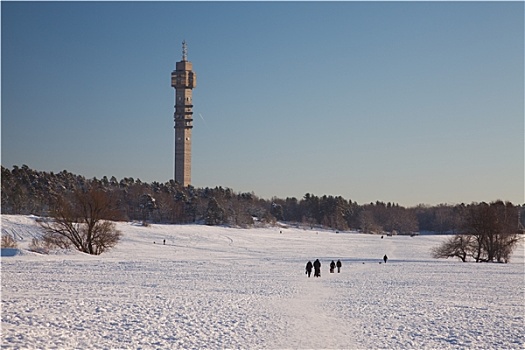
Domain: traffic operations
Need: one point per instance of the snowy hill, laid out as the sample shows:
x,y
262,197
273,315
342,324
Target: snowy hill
x,y
214,287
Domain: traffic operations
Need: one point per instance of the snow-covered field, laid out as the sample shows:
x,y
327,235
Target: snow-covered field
x,y
215,288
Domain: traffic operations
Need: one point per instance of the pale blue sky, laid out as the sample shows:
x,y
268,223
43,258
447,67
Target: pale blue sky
x,y
407,102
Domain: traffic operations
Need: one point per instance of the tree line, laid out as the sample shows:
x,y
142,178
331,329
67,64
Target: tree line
x,y
28,191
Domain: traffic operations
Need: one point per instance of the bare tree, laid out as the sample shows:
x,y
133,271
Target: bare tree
x,y
401,220
455,246
494,228
490,233
367,223
82,221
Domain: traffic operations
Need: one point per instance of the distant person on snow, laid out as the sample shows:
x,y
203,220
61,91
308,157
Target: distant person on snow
x,y
332,267
317,268
385,258
309,268
338,264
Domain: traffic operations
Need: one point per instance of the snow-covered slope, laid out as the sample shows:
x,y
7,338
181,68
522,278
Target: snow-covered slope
x,y
213,287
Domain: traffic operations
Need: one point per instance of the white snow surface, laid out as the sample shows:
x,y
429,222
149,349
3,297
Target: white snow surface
x,y
226,288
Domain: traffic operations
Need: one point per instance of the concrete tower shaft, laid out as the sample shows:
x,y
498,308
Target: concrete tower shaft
x,y
183,80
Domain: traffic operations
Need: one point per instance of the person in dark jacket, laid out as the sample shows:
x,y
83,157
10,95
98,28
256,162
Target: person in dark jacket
x,y
317,268
332,266
309,268
338,264
385,258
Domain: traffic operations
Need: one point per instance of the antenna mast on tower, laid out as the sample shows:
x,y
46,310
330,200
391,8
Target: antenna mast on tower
x,y
184,51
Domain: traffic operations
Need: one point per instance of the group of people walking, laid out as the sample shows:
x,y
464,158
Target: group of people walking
x,y
333,265
317,267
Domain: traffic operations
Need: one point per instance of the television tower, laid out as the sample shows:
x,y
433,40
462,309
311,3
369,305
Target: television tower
x,y
183,80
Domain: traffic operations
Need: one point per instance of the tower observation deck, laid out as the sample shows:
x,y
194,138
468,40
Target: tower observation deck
x,y
183,80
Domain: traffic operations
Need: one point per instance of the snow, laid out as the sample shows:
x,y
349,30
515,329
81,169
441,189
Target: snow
x,y
216,287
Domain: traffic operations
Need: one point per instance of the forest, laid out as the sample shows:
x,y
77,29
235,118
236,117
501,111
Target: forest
x,y
27,191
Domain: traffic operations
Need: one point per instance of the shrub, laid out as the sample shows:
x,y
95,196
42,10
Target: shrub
x,y
9,242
